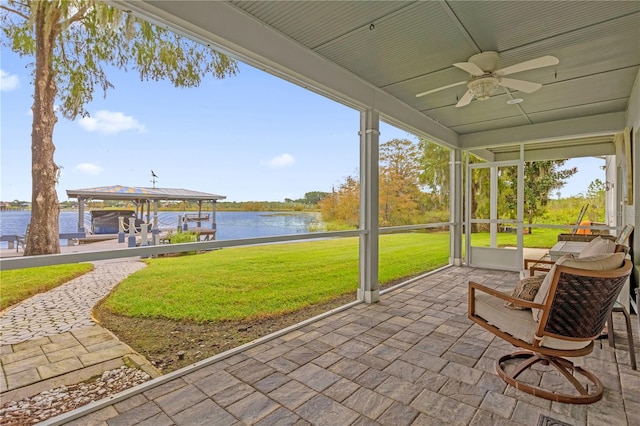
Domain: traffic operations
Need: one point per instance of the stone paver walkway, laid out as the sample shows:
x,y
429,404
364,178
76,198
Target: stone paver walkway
x,y
51,340
65,308
412,359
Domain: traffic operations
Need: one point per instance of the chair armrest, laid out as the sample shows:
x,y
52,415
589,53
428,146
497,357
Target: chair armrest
x,y
536,268
536,261
473,286
621,248
540,265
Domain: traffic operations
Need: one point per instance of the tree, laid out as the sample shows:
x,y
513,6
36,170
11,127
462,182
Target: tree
x,y
312,198
73,41
596,194
343,204
401,201
435,173
596,189
400,195
540,179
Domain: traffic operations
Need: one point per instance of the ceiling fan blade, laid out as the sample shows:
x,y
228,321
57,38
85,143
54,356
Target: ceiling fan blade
x,y
470,67
544,61
440,88
465,99
521,85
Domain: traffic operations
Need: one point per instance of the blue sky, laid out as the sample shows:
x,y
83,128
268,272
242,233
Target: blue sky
x,y
251,137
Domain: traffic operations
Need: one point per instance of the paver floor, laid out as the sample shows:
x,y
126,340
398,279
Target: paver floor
x,y
51,339
414,358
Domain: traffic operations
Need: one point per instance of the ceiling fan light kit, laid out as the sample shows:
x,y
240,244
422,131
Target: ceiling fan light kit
x,y
483,87
485,78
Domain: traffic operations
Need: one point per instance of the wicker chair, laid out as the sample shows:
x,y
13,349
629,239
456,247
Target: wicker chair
x,y
535,266
572,317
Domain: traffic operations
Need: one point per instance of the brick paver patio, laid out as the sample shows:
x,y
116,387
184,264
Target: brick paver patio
x,y
412,359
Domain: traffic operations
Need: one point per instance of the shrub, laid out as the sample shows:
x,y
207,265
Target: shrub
x,y
183,237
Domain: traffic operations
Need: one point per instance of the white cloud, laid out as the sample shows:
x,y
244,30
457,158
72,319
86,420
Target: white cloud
x,y
282,160
8,81
88,169
110,123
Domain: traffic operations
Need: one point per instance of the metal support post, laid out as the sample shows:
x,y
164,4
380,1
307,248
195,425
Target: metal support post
x,y
493,207
81,215
369,289
456,194
155,231
214,224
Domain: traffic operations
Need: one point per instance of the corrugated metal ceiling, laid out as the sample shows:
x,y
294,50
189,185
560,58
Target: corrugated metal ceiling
x,y
411,46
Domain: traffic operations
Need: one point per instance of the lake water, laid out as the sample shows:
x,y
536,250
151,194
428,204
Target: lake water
x,y
231,225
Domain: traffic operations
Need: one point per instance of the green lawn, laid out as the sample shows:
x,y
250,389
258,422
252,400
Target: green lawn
x,y
258,281
267,280
20,284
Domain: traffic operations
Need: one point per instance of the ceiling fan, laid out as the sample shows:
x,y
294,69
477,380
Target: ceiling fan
x,y
485,78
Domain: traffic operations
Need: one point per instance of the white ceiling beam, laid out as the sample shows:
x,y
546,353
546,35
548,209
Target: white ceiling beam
x,y
603,124
231,31
485,154
560,153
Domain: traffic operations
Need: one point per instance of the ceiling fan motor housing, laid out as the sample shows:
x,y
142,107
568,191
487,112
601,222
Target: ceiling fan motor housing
x,y
486,61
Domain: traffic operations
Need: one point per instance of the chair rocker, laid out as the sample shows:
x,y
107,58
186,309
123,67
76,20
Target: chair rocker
x,y
576,309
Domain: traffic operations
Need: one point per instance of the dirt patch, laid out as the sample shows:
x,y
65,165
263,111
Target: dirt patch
x,y
170,345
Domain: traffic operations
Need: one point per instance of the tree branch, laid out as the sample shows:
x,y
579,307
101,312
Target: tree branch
x,y
62,51
78,16
8,9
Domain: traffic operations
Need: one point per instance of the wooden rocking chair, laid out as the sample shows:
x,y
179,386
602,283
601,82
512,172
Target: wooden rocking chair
x,y
576,309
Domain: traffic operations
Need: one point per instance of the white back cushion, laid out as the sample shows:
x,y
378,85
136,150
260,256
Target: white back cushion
x,y
597,246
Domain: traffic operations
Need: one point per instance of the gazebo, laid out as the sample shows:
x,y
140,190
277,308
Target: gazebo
x,y
148,197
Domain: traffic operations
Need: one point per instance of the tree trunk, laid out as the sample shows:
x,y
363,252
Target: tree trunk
x,y
45,209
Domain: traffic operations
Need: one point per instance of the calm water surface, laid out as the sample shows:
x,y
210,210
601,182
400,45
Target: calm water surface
x,y
231,225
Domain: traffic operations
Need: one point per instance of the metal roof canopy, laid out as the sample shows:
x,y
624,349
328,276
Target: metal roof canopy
x,y
133,193
371,54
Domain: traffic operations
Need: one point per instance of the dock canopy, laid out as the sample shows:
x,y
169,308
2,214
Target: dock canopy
x,y
138,194
141,196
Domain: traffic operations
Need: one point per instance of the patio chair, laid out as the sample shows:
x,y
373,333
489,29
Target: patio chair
x,y
596,246
569,318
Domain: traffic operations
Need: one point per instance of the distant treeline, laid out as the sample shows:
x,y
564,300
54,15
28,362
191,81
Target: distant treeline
x,y
308,203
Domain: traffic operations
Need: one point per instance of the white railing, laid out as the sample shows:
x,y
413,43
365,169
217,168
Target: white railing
x,y
148,251
129,228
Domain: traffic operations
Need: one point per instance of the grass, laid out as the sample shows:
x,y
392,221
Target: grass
x,y
20,284
267,280
254,282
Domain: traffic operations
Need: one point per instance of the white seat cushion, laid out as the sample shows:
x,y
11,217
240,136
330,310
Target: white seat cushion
x,y
519,324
